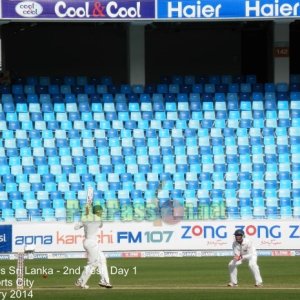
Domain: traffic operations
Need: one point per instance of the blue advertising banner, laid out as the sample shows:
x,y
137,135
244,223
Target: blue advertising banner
x,y
227,9
78,9
5,238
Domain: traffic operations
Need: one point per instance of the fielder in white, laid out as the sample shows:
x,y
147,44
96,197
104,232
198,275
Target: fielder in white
x,y
243,249
95,257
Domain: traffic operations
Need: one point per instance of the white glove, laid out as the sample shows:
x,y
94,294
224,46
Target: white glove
x,y
78,226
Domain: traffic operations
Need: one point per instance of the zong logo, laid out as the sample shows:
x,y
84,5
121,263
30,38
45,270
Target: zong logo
x,y
29,9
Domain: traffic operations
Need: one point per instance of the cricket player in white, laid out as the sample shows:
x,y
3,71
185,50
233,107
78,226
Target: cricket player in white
x,y
95,257
243,249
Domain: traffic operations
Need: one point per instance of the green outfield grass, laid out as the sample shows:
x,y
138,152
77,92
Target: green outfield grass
x,y
157,278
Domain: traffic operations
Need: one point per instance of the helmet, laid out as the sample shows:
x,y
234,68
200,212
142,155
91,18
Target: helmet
x,y
97,209
239,232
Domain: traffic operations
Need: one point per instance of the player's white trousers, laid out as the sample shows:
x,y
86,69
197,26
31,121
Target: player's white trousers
x,y
252,262
95,259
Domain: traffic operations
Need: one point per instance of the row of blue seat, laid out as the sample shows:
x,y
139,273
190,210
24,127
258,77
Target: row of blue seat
x,y
151,194
159,202
55,89
150,213
194,95
275,180
174,78
196,122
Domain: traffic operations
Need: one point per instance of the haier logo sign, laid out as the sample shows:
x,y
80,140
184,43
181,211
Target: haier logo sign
x,y
271,8
99,9
193,9
227,9
5,238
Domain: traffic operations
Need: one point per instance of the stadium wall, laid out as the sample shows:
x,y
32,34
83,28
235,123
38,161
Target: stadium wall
x,y
272,235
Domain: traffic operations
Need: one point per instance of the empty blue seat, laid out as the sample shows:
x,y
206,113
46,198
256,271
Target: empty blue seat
x,y
207,123
106,169
5,204
195,106
130,124
121,107
68,169
76,186
52,125
44,204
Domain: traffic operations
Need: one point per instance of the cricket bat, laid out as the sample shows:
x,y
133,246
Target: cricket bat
x,y
89,200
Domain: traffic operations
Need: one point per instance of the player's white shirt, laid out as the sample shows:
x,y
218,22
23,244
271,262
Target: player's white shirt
x,y
245,249
90,228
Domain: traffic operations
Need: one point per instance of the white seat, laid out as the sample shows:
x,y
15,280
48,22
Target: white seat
x,y
216,132
117,124
99,116
123,194
242,141
77,151
79,125
203,141
177,132
109,107
231,150
74,177
165,142
170,168
94,169
154,150
71,107
132,168
294,131
34,107
24,187
34,178
105,160
138,133
209,115
38,151
127,142
258,158
21,134
270,149
192,150
146,106
63,186
27,161
61,116
10,143
143,160
113,177
88,142
42,195
49,143
99,133
102,186
66,161
255,132
116,151
183,106
3,125
155,124
220,105
55,169
219,159
208,168
181,159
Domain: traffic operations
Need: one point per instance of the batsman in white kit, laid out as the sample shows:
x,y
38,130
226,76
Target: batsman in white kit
x,y
243,249
95,257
